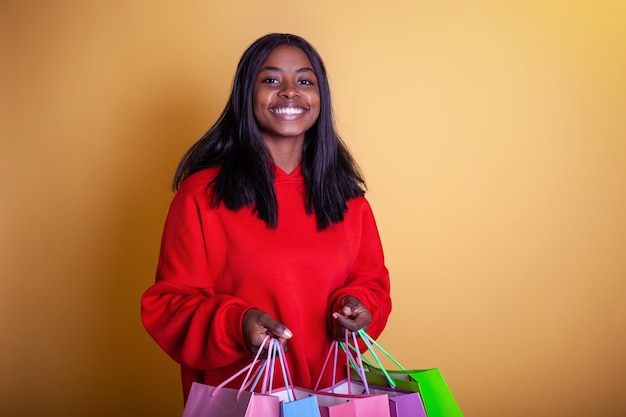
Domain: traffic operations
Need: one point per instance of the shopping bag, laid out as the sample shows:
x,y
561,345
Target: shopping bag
x,y
436,396
221,401
302,407
291,406
210,401
401,403
344,404
340,405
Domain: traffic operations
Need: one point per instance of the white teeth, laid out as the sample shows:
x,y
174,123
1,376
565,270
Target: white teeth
x,y
289,110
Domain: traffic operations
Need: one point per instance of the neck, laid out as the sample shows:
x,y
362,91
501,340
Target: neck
x,y
286,154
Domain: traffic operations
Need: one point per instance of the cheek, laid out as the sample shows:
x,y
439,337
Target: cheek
x,y
315,104
257,106
255,100
260,97
255,112
316,111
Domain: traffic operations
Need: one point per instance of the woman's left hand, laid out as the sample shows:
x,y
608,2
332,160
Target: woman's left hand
x,y
352,315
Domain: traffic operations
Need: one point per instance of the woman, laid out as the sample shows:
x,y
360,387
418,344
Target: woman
x,y
268,232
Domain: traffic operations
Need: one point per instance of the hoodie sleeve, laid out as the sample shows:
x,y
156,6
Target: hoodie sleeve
x,y
181,311
368,279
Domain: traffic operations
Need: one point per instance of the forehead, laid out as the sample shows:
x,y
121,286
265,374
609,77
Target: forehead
x,y
285,56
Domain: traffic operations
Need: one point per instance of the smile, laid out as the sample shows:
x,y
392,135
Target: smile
x,y
288,110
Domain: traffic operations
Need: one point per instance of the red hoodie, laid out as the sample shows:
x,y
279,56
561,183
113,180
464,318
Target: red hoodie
x,y
215,264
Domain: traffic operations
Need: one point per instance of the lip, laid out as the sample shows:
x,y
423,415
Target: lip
x,y
289,109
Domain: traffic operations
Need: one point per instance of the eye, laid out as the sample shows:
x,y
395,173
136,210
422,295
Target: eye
x,y
270,80
306,82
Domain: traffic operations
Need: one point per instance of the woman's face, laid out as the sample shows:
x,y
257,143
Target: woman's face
x,y
286,95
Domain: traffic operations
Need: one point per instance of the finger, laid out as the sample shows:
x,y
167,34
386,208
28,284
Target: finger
x,y
265,353
349,301
275,328
283,343
351,312
347,310
255,346
349,305
348,323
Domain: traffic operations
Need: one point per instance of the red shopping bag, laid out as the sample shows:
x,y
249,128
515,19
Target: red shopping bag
x,y
220,401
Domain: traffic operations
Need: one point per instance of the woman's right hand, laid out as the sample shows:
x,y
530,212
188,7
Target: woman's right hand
x,y
257,324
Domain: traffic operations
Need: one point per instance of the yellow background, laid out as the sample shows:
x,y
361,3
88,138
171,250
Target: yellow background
x,y
492,135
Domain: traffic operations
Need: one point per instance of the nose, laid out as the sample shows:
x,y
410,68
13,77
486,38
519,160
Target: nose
x,y
288,91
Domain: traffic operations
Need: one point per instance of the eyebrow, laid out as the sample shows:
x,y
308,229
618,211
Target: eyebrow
x,y
276,69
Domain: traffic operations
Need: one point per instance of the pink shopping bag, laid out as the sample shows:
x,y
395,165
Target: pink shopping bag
x,y
343,405
401,403
210,401
220,401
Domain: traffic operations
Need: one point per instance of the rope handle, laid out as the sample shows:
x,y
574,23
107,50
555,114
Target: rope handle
x,y
331,349
370,343
247,368
291,393
355,361
366,337
256,359
275,350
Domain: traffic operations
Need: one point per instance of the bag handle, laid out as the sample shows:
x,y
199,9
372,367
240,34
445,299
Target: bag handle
x,y
257,376
247,368
331,349
291,393
368,340
256,359
275,350
351,361
357,363
268,380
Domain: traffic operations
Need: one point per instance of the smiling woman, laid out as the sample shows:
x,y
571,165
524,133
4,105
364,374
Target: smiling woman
x,y
231,270
286,103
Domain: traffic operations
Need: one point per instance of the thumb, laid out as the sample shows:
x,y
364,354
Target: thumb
x,y
349,304
276,328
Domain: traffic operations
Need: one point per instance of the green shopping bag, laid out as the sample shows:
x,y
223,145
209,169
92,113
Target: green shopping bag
x,y
430,383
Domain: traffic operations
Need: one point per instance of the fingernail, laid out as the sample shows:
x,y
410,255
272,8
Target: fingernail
x,y
287,334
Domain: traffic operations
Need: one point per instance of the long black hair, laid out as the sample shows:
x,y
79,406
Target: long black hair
x,y
246,177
